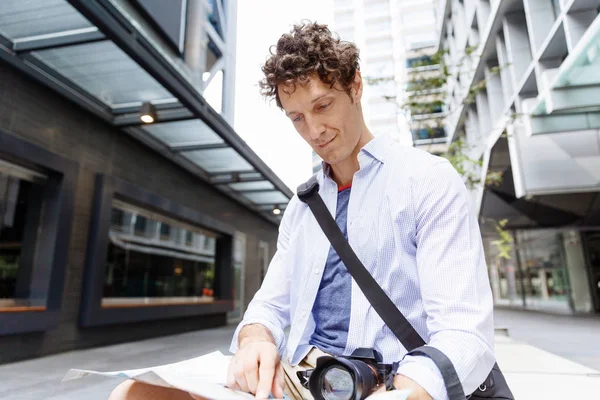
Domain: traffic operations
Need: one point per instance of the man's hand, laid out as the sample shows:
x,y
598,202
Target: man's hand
x,y
402,382
256,367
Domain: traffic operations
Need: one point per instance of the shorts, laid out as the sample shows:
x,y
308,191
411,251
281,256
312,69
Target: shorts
x,y
293,389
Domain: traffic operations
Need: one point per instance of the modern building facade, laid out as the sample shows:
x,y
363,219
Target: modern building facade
x,y
391,35
423,99
369,24
529,72
129,207
421,80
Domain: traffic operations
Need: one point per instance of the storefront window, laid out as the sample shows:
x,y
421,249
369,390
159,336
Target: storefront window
x,y
153,259
545,279
20,211
505,276
239,277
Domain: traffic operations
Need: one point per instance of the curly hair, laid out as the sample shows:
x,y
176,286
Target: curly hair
x,y
309,48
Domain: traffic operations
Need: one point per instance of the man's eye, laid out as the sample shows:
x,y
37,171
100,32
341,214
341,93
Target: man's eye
x,y
324,106
298,118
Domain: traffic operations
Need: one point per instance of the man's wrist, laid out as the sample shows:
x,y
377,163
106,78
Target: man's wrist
x,y
417,391
254,333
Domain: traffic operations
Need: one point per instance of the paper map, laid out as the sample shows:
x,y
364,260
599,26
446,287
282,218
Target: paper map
x,y
204,376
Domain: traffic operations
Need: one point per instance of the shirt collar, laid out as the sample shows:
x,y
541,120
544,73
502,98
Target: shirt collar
x,y
376,149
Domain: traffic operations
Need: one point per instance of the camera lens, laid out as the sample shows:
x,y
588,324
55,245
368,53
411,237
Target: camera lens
x,y
337,383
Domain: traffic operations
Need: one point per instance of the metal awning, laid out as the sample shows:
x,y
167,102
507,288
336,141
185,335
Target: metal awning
x,y
95,55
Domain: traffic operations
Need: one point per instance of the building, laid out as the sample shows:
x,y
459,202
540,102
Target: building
x,y
380,29
422,79
529,70
129,207
368,24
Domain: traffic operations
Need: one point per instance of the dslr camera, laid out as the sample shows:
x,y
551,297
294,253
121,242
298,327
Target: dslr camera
x,y
348,378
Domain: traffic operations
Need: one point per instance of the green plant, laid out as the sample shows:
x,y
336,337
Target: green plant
x,y
504,244
425,95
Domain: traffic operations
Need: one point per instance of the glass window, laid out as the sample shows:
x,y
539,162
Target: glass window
x,y
421,17
377,7
216,161
379,45
419,61
346,34
158,261
190,132
380,68
21,209
213,17
344,18
22,19
428,133
263,259
420,40
378,26
344,3
105,71
239,267
545,278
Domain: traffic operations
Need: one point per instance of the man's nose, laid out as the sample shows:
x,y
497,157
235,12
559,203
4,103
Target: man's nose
x,y
315,128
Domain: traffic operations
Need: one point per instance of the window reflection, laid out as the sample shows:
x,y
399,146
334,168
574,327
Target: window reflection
x,y
543,265
153,259
21,206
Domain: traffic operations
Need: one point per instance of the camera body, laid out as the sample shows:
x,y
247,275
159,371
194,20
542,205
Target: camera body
x,y
347,378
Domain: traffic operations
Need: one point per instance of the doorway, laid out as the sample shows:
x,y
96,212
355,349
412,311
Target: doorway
x,y
591,242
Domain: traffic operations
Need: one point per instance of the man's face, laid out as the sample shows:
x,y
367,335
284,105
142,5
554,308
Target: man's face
x,y
327,118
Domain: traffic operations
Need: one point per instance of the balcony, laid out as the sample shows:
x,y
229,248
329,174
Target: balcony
x,y
427,135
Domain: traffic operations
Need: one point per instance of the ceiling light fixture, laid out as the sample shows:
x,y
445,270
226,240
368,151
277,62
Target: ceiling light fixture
x,y
276,210
147,113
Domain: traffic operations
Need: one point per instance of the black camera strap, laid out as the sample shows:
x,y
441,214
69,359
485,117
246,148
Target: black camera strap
x,y
390,314
387,310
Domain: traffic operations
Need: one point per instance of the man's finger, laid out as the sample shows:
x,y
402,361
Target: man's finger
x,y
278,382
251,374
266,375
240,379
231,383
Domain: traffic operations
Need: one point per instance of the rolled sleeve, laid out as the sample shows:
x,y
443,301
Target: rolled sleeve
x,y
425,373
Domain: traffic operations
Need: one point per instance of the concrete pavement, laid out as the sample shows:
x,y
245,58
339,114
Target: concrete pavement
x,y
41,378
576,338
532,373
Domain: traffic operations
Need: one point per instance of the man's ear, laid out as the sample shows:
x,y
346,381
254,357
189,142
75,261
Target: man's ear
x,y
357,87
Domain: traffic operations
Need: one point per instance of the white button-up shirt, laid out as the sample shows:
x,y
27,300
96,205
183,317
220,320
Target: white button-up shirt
x,y
410,224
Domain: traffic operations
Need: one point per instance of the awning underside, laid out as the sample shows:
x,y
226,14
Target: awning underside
x,y
111,70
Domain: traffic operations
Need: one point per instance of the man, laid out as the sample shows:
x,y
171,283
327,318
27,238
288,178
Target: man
x,y
405,214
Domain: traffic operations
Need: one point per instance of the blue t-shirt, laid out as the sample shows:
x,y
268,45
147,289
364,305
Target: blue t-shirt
x,y
331,310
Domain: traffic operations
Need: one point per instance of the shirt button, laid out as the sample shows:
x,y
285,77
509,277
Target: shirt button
x,y
303,314
317,270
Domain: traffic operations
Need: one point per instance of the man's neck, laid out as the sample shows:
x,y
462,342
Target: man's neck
x,y
343,172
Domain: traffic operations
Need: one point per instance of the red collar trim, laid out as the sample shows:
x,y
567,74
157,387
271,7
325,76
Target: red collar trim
x,y
342,188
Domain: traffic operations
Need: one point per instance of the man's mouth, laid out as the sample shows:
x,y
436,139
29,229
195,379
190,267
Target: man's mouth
x,y
322,146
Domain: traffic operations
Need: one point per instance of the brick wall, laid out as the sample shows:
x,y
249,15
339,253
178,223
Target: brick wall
x,y
39,115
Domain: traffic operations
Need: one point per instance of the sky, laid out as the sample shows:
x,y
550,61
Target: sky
x,y
260,123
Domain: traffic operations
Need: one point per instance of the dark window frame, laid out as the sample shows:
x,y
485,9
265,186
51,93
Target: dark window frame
x,y
92,313
48,277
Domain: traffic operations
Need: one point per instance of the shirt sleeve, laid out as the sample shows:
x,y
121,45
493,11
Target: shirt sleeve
x,y
455,289
270,306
